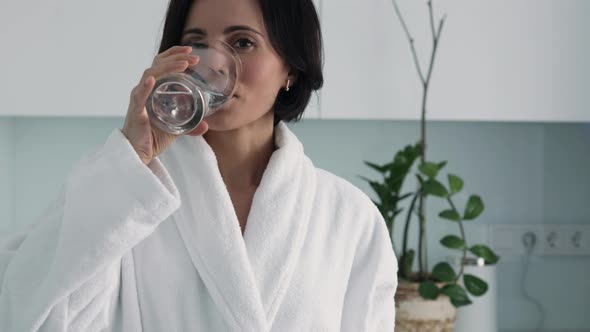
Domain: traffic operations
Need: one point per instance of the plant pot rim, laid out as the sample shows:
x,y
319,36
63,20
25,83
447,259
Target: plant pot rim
x,y
406,284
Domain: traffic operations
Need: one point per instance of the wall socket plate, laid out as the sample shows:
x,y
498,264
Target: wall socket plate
x,y
550,239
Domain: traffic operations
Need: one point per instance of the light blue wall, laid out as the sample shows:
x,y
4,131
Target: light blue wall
x,y
6,171
526,173
46,149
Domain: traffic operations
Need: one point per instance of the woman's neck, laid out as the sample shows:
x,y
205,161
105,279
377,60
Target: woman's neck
x,y
243,154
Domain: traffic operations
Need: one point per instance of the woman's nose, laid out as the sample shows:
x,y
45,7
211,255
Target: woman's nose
x,y
218,60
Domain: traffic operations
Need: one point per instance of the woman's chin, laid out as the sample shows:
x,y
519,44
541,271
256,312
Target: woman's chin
x,y
222,120
228,118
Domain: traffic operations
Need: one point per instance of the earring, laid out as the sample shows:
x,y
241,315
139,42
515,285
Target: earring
x,y
288,83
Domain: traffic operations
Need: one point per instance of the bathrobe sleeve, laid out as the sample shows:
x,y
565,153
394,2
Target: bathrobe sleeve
x,y
369,301
63,274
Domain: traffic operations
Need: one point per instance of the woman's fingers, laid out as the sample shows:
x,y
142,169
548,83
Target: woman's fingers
x,y
166,68
192,59
173,50
149,141
140,94
200,130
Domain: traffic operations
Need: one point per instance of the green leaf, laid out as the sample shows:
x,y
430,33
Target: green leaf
x,y
435,188
379,188
444,272
404,196
420,179
428,290
364,178
380,169
486,253
457,295
475,285
401,164
453,242
417,148
455,183
429,169
474,208
450,215
398,211
376,186
406,262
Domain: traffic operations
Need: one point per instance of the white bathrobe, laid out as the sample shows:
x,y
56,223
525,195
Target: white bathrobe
x,y
129,247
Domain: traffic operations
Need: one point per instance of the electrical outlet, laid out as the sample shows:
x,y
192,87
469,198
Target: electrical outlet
x,y
577,240
507,240
550,239
554,240
566,240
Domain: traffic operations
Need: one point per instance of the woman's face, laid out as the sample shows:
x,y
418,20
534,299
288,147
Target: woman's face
x,y
240,24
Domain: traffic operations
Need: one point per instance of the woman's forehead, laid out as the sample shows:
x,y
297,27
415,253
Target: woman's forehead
x,y
215,16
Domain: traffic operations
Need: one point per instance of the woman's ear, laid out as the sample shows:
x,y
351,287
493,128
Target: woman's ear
x,y
292,76
290,81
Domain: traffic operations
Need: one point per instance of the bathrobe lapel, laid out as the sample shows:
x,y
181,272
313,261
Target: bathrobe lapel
x,y
210,230
279,218
247,276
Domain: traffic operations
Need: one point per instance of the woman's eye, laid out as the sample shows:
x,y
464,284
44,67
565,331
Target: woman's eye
x,y
198,45
195,44
243,43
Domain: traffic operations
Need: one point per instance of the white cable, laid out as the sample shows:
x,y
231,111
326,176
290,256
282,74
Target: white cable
x,y
529,240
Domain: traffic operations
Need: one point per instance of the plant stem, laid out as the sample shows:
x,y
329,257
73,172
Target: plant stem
x,y
391,237
422,270
462,237
435,38
403,22
425,249
425,84
431,18
407,225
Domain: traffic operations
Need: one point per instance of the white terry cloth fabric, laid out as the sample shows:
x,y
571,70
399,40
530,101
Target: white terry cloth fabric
x,y
133,248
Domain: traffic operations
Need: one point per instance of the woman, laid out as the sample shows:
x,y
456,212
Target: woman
x,y
228,228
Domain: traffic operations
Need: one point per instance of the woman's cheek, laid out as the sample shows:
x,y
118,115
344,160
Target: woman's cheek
x,y
261,72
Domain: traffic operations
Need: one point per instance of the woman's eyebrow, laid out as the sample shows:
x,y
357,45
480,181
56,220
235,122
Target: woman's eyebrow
x,y
240,27
198,31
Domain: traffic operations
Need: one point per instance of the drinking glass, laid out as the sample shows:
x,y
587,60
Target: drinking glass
x,y
180,101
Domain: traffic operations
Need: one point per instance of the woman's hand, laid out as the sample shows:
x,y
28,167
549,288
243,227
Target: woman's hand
x,y
147,140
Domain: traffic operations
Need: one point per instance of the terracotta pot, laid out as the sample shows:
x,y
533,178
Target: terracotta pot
x,y
415,314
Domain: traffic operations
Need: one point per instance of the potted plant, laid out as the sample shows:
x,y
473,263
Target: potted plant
x,y
426,300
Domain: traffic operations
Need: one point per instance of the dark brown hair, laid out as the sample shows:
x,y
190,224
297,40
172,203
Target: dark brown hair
x,y
294,30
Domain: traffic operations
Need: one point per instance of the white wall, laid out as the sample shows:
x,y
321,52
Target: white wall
x,y
497,60
70,57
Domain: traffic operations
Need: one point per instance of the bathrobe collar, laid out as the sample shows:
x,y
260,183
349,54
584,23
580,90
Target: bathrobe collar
x,y
247,276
